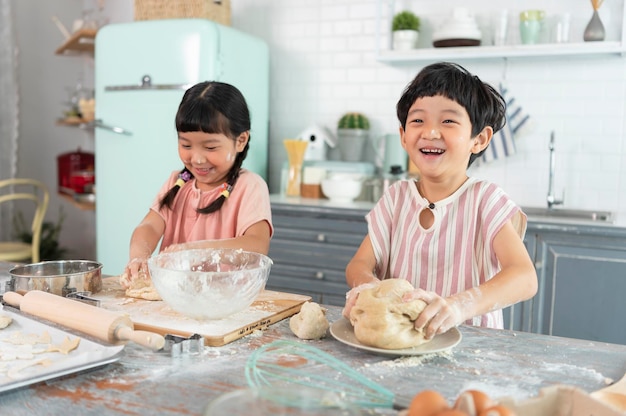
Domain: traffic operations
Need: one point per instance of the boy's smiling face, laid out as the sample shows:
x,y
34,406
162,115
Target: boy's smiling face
x,y
437,137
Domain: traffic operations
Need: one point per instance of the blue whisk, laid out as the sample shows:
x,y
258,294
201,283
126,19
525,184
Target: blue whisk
x,y
282,365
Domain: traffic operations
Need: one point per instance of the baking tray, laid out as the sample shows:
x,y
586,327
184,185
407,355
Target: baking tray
x,y
89,354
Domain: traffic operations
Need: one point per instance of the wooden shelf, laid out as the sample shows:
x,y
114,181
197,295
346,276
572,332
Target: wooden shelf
x,y
613,46
510,51
84,205
81,41
75,122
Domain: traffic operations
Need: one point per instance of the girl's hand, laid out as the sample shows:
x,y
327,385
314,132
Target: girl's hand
x,y
352,296
440,314
137,268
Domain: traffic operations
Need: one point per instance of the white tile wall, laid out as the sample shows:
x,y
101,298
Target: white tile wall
x,y
323,63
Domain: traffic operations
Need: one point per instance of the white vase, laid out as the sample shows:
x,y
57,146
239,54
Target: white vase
x,y
405,39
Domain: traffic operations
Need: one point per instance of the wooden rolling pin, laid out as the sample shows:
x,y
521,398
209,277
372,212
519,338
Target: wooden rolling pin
x,y
100,323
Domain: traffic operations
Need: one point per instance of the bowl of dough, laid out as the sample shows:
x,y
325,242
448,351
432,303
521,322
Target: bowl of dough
x,y
209,284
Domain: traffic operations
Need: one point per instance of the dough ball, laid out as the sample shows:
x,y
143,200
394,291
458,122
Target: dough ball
x,y
140,288
124,280
310,322
5,321
382,320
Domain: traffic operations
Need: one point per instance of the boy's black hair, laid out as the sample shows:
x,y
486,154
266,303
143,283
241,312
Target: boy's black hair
x,y
484,105
216,108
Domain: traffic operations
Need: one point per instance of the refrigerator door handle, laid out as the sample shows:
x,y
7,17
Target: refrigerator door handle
x,y
149,87
114,129
146,84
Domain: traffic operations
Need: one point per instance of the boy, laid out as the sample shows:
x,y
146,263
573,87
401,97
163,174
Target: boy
x,y
451,236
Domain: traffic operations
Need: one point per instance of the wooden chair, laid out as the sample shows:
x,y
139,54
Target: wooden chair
x,y
32,191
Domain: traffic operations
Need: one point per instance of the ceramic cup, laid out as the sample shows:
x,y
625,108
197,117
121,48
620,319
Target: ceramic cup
x,y
560,29
500,24
530,25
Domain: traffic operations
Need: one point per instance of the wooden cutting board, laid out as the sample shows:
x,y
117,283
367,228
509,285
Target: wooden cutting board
x,y
156,316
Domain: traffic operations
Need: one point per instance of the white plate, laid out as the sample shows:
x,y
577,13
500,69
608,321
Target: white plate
x,y
343,331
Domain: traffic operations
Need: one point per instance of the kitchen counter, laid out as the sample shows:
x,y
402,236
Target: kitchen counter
x,y
499,362
547,222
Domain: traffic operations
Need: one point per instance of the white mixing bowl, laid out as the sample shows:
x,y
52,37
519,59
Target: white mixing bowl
x,y
209,283
342,188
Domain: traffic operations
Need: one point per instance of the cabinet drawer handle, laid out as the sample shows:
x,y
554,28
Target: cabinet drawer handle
x,y
319,275
321,237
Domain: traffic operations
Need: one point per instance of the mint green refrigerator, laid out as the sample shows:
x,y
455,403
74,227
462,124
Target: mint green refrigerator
x,y
142,70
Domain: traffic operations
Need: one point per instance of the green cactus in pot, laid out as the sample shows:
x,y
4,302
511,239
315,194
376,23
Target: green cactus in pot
x,y
354,121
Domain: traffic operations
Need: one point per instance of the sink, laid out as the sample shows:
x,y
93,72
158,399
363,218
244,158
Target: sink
x,y
569,214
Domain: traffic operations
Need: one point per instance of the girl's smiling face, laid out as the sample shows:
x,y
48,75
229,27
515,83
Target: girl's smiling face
x,y
209,156
437,137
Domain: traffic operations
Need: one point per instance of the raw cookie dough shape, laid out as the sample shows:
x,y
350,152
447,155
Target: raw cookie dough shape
x,y
310,322
141,288
5,321
382,320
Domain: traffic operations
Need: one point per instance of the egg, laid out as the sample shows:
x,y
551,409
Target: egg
x,y
497,410
427,403
472,402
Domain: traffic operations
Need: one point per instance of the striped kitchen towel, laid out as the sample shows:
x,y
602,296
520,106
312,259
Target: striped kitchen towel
x,y
503,142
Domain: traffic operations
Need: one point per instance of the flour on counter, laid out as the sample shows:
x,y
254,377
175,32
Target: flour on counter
x,y
496,390
414,360
566,369
518,391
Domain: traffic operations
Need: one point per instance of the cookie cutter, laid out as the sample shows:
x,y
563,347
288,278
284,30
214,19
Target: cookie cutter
x,y
177,345
84,297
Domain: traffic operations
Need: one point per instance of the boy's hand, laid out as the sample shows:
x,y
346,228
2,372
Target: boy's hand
x,y
352,296
439,315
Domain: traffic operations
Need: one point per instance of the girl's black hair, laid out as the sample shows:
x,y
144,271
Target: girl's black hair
x,y
216,108
484,105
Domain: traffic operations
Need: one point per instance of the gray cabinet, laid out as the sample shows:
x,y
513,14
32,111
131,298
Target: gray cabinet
x,y
582,282
311,247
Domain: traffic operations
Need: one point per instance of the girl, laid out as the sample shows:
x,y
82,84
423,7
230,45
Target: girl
x,y
451,236
212,202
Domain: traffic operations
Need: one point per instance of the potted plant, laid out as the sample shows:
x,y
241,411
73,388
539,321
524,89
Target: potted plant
x,y
352,133
405,30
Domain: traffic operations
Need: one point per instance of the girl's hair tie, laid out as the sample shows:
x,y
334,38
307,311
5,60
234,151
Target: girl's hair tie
x,y
183,177
225,189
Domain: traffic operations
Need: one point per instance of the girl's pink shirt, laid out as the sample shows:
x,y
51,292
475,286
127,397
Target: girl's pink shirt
x,y
248,203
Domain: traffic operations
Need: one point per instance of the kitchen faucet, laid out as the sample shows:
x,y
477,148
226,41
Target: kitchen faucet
x,y
552,200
